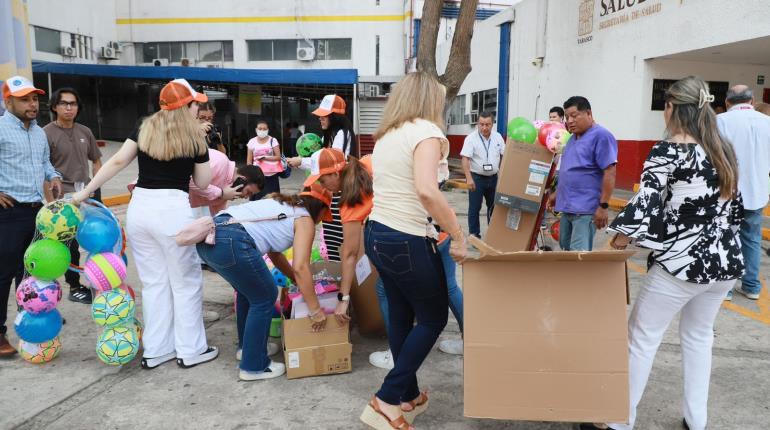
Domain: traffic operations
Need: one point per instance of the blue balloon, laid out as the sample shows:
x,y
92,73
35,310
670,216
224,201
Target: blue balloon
x,y
98,233
38,328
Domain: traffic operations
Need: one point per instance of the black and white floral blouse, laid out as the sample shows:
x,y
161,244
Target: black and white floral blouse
x,y
679,214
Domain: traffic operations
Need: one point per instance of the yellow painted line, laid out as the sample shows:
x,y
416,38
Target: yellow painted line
x,y
262,19
120,199
763,304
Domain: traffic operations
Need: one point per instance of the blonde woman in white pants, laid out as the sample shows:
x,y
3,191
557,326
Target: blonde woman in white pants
x,y
170,147
687,212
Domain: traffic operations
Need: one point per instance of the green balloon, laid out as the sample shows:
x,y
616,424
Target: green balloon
x,y
308,143
522,130
315,256
46,259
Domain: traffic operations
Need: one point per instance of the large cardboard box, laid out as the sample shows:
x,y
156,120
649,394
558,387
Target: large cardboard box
x,y
552,344
521,186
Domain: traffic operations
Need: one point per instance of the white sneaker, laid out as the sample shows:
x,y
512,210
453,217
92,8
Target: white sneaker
x,y
751,296
451,346
272,349
151,363
210,354
210,316
274,370
382,359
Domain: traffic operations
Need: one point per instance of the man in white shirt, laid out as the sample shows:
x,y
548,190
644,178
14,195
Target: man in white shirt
x,y
749,133
481,155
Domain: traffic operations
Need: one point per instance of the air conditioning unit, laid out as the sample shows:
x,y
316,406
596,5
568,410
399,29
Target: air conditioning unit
x,y
305,53
116,46
69,51
160,62
109,52
186,62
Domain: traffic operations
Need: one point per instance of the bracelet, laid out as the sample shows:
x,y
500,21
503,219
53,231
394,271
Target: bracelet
x,y
313,314
458,231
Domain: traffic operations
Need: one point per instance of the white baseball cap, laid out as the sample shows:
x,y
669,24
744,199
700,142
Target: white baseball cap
x,y
19,86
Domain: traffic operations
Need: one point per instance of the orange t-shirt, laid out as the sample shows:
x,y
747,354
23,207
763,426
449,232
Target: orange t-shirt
x,y
359,212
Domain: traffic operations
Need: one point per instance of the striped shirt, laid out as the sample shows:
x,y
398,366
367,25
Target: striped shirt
x,y
333,231
25,159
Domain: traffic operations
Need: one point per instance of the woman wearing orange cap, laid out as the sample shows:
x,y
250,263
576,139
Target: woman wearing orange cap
x,y
170,147
270,226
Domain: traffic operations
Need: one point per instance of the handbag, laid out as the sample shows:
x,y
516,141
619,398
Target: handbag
x,y
286,168
204,229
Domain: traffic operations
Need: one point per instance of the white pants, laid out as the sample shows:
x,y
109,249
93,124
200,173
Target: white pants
x,y
662,296
172,282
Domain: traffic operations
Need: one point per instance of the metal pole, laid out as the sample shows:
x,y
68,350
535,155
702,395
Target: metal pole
x,y
98,110
356,125
50,91
283,138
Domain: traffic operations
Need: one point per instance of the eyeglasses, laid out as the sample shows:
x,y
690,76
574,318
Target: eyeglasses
x,y
68,105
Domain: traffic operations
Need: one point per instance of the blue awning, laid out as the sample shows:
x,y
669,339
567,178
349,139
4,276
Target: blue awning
x,y
206,74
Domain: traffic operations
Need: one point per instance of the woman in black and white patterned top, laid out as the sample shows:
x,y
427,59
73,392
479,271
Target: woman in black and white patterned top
x,y
687,212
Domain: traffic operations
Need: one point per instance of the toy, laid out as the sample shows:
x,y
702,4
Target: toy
x,y
521,130
39,353
105,271
557,140
545,130
308,144
117,345
36,296
112,308
98,232
58,220
38,328
46,259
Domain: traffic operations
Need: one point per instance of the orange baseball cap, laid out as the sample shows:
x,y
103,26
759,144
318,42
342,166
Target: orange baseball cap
x,y
330,104
19,86
318,192
179,93
323,162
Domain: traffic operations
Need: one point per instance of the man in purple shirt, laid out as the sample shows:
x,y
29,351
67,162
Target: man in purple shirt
x,y
586,177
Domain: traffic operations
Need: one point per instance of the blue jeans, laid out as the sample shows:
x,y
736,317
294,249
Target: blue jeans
x,y
485,189
411,270
455,293
576,232
751,241
237,259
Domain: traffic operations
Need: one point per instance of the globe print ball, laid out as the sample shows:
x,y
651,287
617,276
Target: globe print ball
x,y
105,271
39,353
98,233
46,259
58,220
38,328
117,345
308,143
113,308
36,296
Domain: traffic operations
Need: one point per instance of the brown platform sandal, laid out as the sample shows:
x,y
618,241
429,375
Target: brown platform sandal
x,y
376,419
419,405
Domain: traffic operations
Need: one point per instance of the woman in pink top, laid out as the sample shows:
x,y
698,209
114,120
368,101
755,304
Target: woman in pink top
x,y
265,152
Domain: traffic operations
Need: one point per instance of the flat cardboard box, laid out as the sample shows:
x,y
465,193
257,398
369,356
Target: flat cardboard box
x,y
366,305
550,346
521,187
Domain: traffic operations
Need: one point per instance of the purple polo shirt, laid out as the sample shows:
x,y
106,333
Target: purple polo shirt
x,y
582,170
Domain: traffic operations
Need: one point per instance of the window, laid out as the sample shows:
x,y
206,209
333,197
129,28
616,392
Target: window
x,y
457,111
483,101
174,51
47,40
227,50
286,49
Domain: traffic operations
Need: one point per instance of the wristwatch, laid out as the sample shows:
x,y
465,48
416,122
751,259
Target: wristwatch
x,y
604,205
341,298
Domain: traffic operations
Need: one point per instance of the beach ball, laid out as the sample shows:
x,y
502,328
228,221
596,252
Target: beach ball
x,y
105,271
36,296
521,130
112,308
117,345
98,232
38,328
46,259
39,353
280,279
308,144
323,250
127,288
58,220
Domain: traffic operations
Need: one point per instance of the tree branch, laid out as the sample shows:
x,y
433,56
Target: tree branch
x,y
459,64
429,26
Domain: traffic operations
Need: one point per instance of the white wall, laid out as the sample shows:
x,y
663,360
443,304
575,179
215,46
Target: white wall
x,y
93,18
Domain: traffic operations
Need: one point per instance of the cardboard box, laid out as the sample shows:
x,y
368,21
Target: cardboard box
x,y
551,346
521,187
363,297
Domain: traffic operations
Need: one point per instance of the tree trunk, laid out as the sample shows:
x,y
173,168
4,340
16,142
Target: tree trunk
x,y
459,63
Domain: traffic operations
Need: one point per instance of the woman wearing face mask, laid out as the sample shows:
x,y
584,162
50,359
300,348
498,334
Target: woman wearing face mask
x,y
265,152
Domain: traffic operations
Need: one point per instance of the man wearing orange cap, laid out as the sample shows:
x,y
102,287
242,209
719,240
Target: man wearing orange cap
x,y
25,164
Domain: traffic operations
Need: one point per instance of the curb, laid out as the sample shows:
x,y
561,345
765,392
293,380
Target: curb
x,y
120,199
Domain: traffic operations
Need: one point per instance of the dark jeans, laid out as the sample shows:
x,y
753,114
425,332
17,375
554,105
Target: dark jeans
x,y
17,229
72,277
271,186
415,285
237,259
485,189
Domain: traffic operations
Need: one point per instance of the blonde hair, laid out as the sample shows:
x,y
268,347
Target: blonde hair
x,y
417,95
692,114
170,134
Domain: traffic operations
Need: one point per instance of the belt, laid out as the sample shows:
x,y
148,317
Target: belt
x,y
32,205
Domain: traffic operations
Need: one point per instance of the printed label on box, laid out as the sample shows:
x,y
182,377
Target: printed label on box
x,y
532,190
363,269
536,178
293,360
536,166
514,218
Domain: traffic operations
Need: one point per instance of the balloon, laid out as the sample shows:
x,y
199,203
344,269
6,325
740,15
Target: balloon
x,y
105,271
555,230
557,140
46,259
542,134
117,345
38,296
39,353
539,123
38,328
98,233
58,220
521,130
113,308
316,256
308,143
127,288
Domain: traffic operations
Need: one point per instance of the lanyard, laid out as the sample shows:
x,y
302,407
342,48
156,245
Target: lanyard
x,y
486,145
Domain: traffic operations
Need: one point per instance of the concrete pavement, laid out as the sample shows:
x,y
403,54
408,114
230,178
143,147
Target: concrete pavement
x,y
77,391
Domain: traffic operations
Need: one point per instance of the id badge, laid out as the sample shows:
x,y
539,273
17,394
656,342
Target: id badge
x,y
487,167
